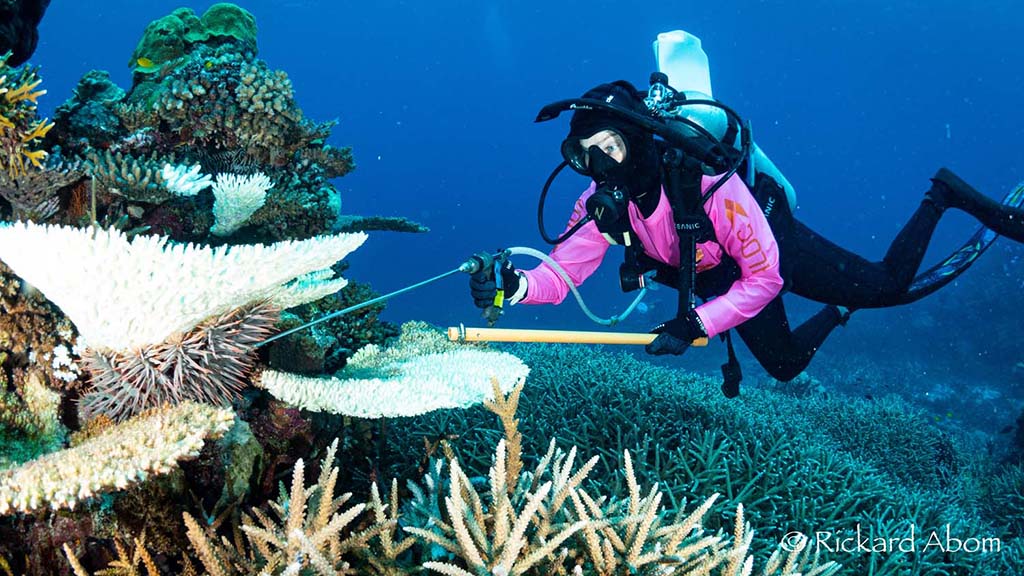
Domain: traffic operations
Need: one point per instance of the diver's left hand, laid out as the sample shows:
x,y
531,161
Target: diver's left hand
x,y
676,335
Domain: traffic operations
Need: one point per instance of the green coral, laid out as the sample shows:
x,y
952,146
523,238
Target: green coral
x,y
169,38
227,20
164,40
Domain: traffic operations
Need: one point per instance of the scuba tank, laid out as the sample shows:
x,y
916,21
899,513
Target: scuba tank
x,y
680,56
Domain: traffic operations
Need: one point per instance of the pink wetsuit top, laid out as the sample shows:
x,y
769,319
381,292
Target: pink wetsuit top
x,y
741,232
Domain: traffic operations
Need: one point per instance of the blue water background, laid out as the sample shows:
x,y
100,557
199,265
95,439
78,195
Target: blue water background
x,y
857,102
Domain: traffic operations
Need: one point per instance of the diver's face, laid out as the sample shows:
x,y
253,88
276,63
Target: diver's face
x,y
608,141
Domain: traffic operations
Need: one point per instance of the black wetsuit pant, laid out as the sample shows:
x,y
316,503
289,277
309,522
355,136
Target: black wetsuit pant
x,y
818,269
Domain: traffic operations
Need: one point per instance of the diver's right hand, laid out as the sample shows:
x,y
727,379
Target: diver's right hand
x,y
484,289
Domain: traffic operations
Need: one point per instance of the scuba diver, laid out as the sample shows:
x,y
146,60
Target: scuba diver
x,y
672,194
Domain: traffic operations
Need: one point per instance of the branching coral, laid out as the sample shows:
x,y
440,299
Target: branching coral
x,y
769,452
235,198
150,443
185,180
140,179
546,522
126,564
304,531
510,523
20,131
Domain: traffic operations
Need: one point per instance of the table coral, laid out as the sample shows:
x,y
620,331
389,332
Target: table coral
x,y
110,287
419,374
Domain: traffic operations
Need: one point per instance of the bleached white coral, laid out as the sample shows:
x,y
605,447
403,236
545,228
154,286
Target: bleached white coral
x,y
235,198
455,379
185,180
122,294
64,366
118,457
309,288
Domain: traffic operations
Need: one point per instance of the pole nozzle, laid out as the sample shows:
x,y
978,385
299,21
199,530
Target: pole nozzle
x,y
477,262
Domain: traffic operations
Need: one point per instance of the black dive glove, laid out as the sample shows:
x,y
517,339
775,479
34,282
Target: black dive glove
x,y
676,335
484,288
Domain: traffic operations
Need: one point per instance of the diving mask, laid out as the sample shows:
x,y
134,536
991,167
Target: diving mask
x,y
578,152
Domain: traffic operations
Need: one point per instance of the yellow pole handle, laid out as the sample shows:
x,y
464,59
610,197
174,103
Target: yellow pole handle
x,y
470,334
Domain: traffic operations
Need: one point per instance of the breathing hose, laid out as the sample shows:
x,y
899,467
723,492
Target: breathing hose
x,y
611,321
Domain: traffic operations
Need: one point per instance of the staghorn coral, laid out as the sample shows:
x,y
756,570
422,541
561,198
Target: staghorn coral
x,y
150,443
768,452
539,522
545,522
303,532
236,198
125,565
422,372
20,131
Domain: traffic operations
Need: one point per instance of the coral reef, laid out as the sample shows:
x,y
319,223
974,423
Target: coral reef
x,y
201,96
188,284
34,332
124,178
325,347
171,37
539,522
35,194
151,443
769,451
